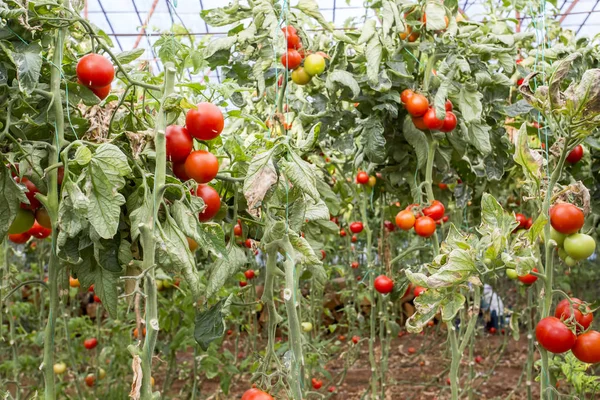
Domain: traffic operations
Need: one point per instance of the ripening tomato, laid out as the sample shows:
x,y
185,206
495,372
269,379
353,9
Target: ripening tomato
x,y
405,220
418,290
342,233
406,95
90,380
449,122
413,37
443,186
425,226
249,274
74,282
38,231
575,155
431,121
314,64
202,166
362,177
256,394
42,217
529,278
316,383
179,171
205,122
356,227
354,264
436,210
449,105
566,218
90,343
417,105
553,335
300,76
289,30
567,307
19,238
192,244
95,71
31,191
389,226
212,201
579,246
179,143
383,284
355,339
291,59
419,123
59,368
587,347
237,230
354,239
23,221
372,181
405,34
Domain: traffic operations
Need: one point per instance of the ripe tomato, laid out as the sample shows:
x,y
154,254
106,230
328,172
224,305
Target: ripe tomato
x,y
42,217
97,299
34,203
579,246
553,335
355,339
248,243
529,278
425,226
575,155
90,380
314,64
354,264
256,394
417,105
405,34
354,239
418,290
243,283
411,350
95,71
202,166
436,210
23,221
443,186
331,389
431,121
205,122
179,143
59,368
300,76
413,37
289,30
356,227
566,308
405,220
179,171
237,230
406,94
291,59
90,343
101,92
212,201
249,274
316,383
419,123
342,233
389,226
383,284
362,177
449,122
38,231
492,330
587,347
19,238
293,42
566,218
449,105
522,220
478,359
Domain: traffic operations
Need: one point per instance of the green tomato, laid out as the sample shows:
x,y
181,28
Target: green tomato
x,y
300,76
23,222
159,285
511,273
558,237
307,326
314,64
59,368
579,246
168,284
101,373
562,254
570,262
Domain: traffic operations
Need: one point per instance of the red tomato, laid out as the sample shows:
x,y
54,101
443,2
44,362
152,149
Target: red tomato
x,y
179,143
566,218
411,350
389,226
205,122
362,177
355,339
179,171
212,201
201,166
316,383
95,71
19,238
38,231
529,223
406,95
90,380
553,335
425,226
529,278
90,343
31,191
289,30
354,264
291,59
417,105
248,243
237,230
418,290
587,347
293,42
331,389
243,283
354,239
249,274
101,92
419,123
431,121
383,284
575,155
356,227
436,210
256,394
520,81
42,217
449,105
478,359
449,122
442,186
522,220
492,330
342,233
565,309
405,220
323,255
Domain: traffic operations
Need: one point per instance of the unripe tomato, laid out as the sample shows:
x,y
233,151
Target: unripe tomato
x,y
579,246
300,76
567,307
38,231
90,380
101,373
355,339
59,368
202,166
243,283
316,383
406,95
419,123
383,284
449,122
90,343
558,237
418,290
449,105
307,326
356,227
42,217
362,177
575,155
511,273
212,201
553,335
237,230
95,71
291,59
205,122
19,238
314,64
436,210
587,347
372,181
22,223
179,171
342,233
179,143
74,282
405,220
354,264
31,191
417,105
431,121
529,278
249,274
256,394
566,218
425,226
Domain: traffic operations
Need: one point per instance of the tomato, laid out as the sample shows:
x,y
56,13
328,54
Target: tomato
x,y
575,155
342,338
478,359
419,123
389,226
38,231
34,203
529,278
249,274
413,37
425,226
511,273
300,76
520,81
293,42
417,105
406,95
411,350
23,221
19,238
205,122
405,220
449,122
42,217
342,233
372,181
95,71
406,33
528,223
356,227
289,30
522,220
431,121
256,394
90,343
314,64
97,299
558,237
579,246
449,105
248,243
192,244
202,166
566,218
355,339
316,383
291,59
90,380
587,347
492,330
383,284
443,186
101,373
102,92
212,201
237,230
553,335
179,171
331,389
59,368
418,290
179,143
354,264
362,177
306,326
243,283
436,210
136,332
565,309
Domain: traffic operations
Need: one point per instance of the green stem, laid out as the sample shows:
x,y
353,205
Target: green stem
x,y
530,344
269,300
456,356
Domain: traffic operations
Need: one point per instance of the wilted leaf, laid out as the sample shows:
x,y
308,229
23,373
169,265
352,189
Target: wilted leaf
x,y
261,176
209,324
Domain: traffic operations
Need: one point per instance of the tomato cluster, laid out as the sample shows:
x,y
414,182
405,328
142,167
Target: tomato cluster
x,y
424,223
96,73
424,116
524,222
566,220
314,64
31,219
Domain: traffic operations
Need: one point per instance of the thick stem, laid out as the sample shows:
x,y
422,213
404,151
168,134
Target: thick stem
x,y
456,356
268,299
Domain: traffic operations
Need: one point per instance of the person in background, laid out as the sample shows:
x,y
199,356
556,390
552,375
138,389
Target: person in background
x,y
493,306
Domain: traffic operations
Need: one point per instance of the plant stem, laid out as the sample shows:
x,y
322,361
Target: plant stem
x,y
530,345
456,356
268,299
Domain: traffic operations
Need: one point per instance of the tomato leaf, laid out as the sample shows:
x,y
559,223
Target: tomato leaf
x,y
479,136
128,56
435,16
343,78
305,255
373,54
260,177
301,174
531,162
372,140
451,305
225,269
209,324
12,195
417,140
311,8
521,107
226,15
28,60
367,32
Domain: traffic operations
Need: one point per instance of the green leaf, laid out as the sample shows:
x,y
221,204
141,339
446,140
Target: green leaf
x,y
343,78
315,211
469,103
72,211
311,8
373,54
306,255
226,15
168,48
427,306
81,93
225,269
536,229
301,174
530,161
223,43
28,60
141,214
521,107
479,136
209,324
452,304
128,56
260,177
417,140
11,196
331,199
367,32
372,140
435,16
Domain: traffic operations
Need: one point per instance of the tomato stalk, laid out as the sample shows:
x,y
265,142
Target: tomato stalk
x,y
269,300
530,345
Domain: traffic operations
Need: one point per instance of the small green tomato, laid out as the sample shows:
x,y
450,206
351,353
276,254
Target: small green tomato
x,y
307,326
